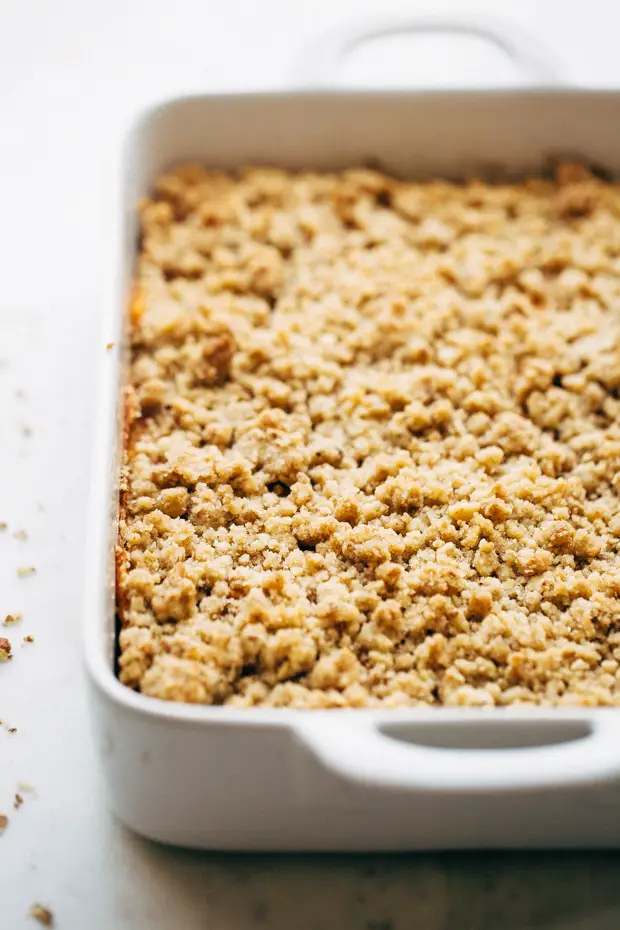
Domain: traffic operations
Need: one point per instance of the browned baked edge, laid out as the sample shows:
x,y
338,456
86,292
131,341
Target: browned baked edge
x,y
130,413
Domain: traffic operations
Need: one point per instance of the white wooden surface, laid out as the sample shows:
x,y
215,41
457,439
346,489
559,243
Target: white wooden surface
x,y
71,75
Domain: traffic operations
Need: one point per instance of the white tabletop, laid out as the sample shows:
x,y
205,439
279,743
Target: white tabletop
x,y
71,74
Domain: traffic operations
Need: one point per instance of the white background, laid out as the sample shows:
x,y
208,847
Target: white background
x,y
71,75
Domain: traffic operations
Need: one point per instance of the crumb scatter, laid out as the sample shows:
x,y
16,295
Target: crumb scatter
x,y
373,450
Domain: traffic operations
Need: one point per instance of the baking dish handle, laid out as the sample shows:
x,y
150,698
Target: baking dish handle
x,y
361,751
319,63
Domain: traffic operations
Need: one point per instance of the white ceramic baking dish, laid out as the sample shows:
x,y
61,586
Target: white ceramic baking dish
x,y
221,778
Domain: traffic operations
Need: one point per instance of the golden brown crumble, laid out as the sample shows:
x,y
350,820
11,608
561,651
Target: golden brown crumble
x,y
373,448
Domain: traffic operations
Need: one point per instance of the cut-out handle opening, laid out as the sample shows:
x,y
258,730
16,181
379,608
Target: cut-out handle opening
x,y
490,735
475,754
320,63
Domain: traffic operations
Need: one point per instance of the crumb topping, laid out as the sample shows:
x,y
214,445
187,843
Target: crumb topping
x,y
373,454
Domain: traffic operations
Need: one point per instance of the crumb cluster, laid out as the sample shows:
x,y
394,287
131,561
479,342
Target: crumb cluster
x,y
373,450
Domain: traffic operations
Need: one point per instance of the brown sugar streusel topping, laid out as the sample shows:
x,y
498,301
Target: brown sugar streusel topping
x,y
374,442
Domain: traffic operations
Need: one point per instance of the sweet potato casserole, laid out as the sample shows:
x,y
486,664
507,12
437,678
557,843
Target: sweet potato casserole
x,y
373,455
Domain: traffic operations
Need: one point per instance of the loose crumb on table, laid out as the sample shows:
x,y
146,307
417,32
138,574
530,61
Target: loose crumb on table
x,y
25,570
10,619
373,447
42,914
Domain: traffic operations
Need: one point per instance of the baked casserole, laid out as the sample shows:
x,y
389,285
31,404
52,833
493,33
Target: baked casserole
x,y
373,453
